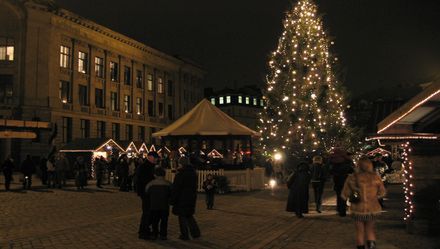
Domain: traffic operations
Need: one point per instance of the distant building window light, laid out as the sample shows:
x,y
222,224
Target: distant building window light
x,y
213,101
255,101
240,99
228,99
247,100
221,101
261,102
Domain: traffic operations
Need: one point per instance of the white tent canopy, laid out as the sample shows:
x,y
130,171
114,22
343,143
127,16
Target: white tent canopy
x,y
205,119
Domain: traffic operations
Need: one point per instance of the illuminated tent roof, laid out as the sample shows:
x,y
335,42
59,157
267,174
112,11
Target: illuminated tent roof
x,y
206,120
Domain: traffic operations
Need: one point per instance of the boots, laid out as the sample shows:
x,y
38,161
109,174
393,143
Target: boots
x,y
371,244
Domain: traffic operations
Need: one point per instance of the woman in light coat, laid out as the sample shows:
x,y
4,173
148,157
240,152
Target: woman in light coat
x,y
370,188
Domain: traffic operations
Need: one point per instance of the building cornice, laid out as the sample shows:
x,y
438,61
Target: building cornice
x,y
76,19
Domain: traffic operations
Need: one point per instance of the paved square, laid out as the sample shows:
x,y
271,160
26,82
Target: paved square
x,y
107,218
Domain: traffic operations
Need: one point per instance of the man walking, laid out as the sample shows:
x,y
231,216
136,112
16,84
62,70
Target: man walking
x,y
144,175
318,174
28,169
341,167
7,168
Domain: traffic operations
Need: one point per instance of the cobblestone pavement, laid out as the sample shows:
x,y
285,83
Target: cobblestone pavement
x,y
107,218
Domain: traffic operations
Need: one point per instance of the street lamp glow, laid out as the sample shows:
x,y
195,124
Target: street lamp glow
x,y
277,156
272,183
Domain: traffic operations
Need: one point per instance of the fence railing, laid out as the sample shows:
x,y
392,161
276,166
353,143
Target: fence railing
x,y
239,180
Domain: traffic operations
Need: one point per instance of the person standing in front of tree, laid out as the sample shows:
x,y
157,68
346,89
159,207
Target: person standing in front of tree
x,y
318,172
341,167
369,187
298,184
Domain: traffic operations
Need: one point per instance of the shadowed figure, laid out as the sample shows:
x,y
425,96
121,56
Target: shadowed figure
x,y
298,184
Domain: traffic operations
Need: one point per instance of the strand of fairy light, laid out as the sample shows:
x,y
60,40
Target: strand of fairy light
x,y
408,185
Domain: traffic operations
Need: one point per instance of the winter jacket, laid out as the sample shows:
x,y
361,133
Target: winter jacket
x,y
28,167
7,167
298,184
144,174
370,187
210,186
184,192
158,192
318,172
62,164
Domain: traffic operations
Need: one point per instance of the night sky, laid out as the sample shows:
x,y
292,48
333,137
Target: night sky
x,y
378,43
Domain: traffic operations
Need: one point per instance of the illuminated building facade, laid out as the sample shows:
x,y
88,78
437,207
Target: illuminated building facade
x,y
85,79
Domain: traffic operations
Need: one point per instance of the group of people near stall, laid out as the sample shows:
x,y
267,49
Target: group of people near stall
x,y
358,184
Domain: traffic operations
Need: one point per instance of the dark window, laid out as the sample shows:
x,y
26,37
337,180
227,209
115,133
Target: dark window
x,y
141,133
83,95
6,92
170,112
160,110
64,92
114,101
150,108
83,62
150,82
99,67
139,79
99,98
85,128
129,132
114,71
64,57
127,75
127,103
100,129
67,130
170,88
139,109
116,128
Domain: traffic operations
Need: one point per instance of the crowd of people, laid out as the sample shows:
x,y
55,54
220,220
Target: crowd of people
x,y
360,185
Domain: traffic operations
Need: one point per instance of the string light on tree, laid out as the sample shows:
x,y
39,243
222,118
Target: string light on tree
x,y
302,95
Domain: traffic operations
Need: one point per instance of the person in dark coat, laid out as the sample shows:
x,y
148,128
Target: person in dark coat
x,y
145,174
43,169
318,173
184,197
28,169
298,184
210,186
123,173
158,192
99,171
80,169
7,168
341,166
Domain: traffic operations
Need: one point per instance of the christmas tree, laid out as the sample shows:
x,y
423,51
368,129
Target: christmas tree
x,y
304,111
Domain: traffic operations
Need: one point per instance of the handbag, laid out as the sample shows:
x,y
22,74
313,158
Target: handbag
x,y
355,196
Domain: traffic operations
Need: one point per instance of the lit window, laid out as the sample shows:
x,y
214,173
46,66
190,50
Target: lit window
x,y
99,67
213,101
221,100
159,85
261,102
255,101
64,92
228,99
150,82
114,71
127,103
139,109
247,100
82,62
64,57
6,52
240,99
